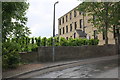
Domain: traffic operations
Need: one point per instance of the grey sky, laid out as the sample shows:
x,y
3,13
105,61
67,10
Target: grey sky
x,y
40,15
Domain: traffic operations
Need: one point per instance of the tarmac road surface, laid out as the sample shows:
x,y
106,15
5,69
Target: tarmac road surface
x,y
102,69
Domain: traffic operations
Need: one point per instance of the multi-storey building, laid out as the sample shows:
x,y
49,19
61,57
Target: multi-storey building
x,y
73,24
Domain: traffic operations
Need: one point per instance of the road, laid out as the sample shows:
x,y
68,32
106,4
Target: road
x,y
101,69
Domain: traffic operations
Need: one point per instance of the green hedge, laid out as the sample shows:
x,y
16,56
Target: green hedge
x,y
31,44
13,46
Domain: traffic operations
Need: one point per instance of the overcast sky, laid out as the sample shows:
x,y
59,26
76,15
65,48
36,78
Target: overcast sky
x,y
40,15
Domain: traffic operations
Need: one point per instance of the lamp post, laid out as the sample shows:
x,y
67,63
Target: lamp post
x,y
53,55
118,40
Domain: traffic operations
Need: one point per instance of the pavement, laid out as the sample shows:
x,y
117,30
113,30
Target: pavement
x,y
28,68
113,73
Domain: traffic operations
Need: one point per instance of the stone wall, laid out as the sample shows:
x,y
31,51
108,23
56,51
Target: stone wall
x,y
29,57
44,54
75,52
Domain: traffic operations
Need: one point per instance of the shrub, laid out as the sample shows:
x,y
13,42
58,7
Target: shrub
x,y
93,42
71,42
49,41
34,47
39,41
96,42
63,42
44,41
10,54
36,40
78,42
33,40
57,41
85,41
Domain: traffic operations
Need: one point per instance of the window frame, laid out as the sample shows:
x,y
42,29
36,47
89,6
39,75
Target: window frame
x,y
63,30
75,13
70,27
66,28
75,24
81,20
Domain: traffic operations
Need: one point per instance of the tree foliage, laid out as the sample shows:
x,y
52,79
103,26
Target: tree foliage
x,y
14,19
104,15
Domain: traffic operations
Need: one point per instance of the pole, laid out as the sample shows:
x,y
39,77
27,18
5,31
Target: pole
x,y
118,41
53,55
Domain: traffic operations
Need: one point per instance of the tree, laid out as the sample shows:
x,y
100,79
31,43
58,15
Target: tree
x,y
32,40
14,20
39,41
13,27
36,40
105,15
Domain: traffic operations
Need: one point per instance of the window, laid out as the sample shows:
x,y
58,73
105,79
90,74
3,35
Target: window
x,y
70,16
67,29
67,38
63,19
60,31
95,34
75,25
103,35
59,21
75,13
80,23
70,27
74,35
66,18
79,13
63,30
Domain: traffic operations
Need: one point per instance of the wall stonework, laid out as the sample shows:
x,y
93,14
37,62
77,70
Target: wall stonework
x,y
62,53
75,52
29,57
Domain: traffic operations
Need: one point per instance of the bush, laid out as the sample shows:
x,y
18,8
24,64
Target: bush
x,y
33,40
44,41
49,41
39,41
34,47
10,54
63,42
85,41
93,42
57,41
71,42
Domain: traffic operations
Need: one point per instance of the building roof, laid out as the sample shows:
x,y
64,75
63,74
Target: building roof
x,y
69,11
81,33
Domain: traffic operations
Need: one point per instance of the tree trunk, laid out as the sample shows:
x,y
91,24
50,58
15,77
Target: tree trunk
x,y
106,23
118,42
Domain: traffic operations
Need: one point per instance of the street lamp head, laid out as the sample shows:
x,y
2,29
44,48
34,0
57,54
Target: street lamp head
x,y
56,2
